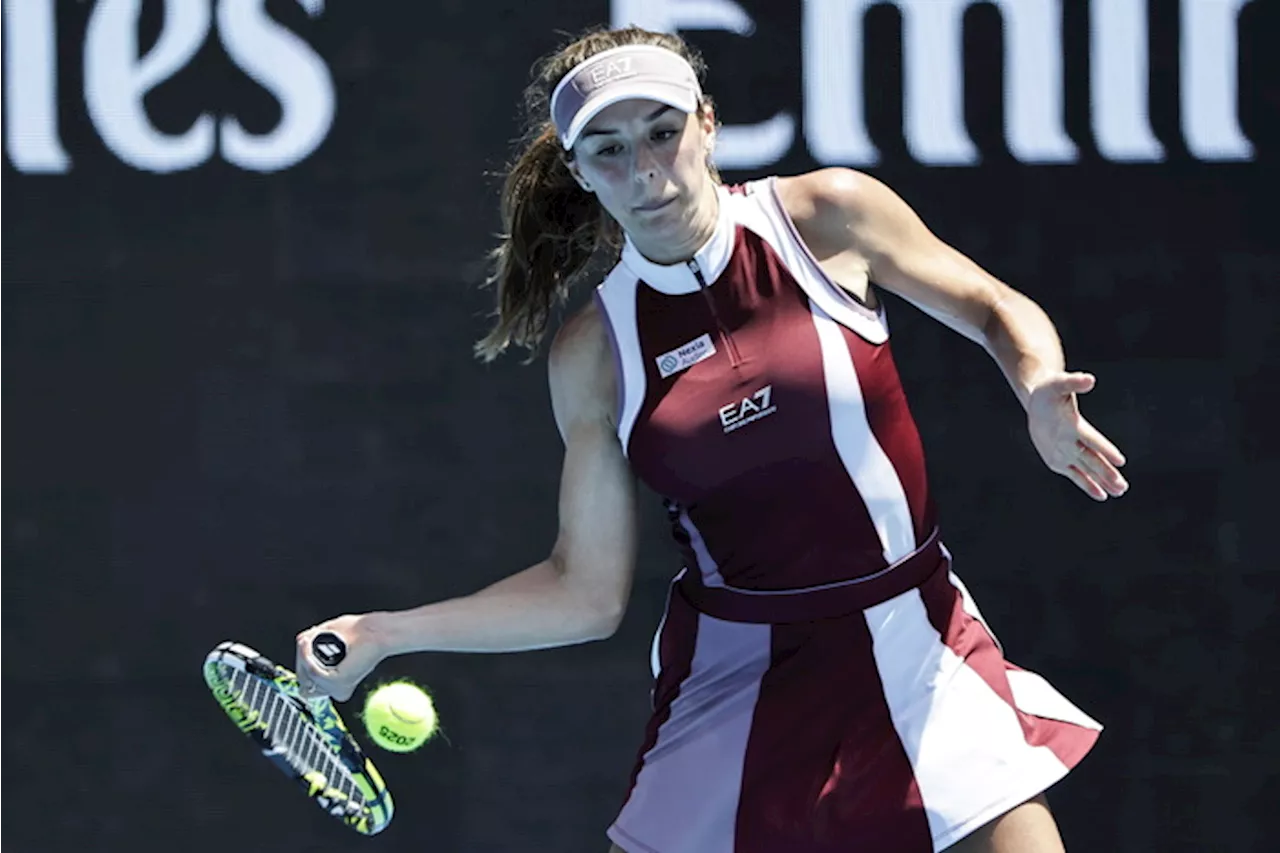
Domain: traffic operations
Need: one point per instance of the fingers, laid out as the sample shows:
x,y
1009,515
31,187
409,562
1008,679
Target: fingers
x,y
1073,447
1101,458
313,684
303,667
1091,438
314,678
1073,383
1096,476
1086,483
1101,471
336,664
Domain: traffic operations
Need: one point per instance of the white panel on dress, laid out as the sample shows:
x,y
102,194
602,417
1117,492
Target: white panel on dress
x,y
1034,695
618,292
864,459
702,747
967,748
761,212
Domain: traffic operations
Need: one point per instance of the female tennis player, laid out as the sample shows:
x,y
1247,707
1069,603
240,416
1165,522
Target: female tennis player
x,y
823,680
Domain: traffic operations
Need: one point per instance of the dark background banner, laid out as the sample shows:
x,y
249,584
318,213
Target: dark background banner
x,y
239,296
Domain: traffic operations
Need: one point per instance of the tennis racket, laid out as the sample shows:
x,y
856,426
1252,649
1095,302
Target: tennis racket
x,y
302,736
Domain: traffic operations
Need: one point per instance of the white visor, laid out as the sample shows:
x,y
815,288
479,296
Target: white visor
x,y
632,71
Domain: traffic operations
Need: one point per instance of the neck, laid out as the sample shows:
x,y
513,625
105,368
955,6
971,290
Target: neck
x,y
702,224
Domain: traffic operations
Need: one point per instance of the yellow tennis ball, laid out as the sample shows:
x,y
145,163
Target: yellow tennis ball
x,y
400,716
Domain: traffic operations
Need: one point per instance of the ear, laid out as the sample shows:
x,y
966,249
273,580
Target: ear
x,y
707,119
572,165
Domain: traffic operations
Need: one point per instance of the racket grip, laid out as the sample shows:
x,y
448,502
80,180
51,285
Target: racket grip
x,y
328,648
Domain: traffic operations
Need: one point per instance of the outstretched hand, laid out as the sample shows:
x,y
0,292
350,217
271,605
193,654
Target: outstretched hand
x,y
1070,445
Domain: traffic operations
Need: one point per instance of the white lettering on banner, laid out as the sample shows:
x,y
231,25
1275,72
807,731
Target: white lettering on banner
x,y
31,106
1118,80
738,146
1209,74
116,80
933,111
291,71
934,81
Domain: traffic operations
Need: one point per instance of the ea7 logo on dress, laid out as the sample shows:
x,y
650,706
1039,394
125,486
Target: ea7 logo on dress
x,y
749,410
680,358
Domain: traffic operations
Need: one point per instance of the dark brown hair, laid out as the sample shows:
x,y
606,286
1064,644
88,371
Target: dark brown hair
x,y
551,227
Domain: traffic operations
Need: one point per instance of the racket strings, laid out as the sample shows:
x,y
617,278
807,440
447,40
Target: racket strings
x,y
294,736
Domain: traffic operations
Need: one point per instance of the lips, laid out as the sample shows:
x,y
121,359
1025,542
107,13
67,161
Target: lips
x,y
650,206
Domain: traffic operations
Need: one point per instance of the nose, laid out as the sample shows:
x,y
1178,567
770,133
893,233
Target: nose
x,y
644,166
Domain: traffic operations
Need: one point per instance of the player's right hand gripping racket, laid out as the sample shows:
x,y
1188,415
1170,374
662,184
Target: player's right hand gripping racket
x,y
302,736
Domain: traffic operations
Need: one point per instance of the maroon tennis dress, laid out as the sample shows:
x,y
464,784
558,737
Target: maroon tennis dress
x,y
824,682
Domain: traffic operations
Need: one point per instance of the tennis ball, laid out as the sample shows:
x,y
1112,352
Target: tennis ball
x,y
400,716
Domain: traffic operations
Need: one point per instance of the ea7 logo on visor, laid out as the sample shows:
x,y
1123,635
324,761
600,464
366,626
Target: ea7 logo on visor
x,y
605,72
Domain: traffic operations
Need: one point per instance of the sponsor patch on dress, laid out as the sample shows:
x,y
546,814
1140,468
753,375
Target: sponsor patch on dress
x,y
682,357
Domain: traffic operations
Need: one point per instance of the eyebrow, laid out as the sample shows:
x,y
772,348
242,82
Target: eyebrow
x,y
601,131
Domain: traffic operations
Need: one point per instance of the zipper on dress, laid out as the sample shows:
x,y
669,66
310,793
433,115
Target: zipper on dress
x,y
734,358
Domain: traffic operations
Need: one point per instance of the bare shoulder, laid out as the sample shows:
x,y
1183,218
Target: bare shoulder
x,y
581,371
844,210
580,349
831,196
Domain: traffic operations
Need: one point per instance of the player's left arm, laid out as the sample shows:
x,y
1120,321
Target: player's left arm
x,y
849,211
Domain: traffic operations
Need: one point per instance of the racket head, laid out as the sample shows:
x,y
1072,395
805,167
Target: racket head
x,y
305,738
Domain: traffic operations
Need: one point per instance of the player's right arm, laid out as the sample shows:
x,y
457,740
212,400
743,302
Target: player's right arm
x,y
580,591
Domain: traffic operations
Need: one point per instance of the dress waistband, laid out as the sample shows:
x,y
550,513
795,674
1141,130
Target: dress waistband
x,y
824,601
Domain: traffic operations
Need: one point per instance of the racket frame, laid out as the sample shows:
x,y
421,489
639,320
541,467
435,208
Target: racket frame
x,y
333,736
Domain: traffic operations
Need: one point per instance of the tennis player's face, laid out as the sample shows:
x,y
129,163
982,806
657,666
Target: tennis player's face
x,y
647,164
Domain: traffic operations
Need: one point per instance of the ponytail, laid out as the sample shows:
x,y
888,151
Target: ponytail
x,y
551,229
